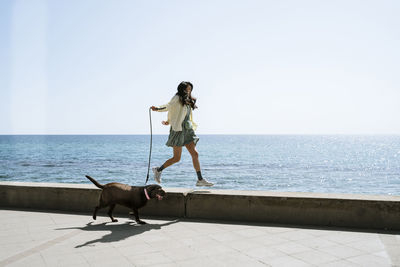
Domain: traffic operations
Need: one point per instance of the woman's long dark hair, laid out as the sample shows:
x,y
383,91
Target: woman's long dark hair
x,y
185,98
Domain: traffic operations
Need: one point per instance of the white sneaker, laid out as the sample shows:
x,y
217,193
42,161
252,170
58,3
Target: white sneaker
x,y
203,182
157,175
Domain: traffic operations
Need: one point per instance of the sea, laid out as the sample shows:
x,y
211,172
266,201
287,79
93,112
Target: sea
x,y
355,164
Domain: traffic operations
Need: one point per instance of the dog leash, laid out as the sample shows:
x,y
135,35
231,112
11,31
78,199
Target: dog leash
x,y
151,142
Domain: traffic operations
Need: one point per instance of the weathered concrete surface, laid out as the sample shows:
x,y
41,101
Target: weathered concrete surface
x,y
79,197
357,211
360,211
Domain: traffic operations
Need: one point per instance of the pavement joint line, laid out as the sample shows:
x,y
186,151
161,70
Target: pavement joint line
x,y
392,247
38,248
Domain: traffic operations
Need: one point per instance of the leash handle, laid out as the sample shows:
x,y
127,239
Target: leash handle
x,y
151,142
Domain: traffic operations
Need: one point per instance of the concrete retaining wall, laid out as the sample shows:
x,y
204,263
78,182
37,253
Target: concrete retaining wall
x,y
356,211
78,197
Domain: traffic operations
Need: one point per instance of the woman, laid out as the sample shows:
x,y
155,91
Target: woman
x,y
182,130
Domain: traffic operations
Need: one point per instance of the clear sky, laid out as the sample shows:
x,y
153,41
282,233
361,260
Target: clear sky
x,y
258,67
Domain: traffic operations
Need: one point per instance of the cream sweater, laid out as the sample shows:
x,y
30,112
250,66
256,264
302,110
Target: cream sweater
x,y
176,114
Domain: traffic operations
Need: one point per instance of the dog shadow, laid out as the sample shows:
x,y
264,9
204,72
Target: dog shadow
x,y
118,231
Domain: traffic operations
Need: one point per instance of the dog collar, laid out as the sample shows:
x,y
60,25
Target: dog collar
x,y
147,195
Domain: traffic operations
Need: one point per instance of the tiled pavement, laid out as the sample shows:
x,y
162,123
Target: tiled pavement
x,y
30,238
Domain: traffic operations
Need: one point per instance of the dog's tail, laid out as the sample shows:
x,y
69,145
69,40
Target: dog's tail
x,y
94,181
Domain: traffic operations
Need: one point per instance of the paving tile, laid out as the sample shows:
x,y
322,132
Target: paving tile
x,y
295,235
32,260
136,249
291,248
215,250
166,264
342,251
62,259
371,245
269,240
149,259
181,254
249,232
199,241
320,232
392,248
243,245
315,243
226,236
120,262
315,257
17,239
383,254
183,233
204,228
169,244
60,248
349,237
236,227
236,259
198,262
14,228
264,253
151,238
286,261
370,260
102,254
277,230
340,263
8,250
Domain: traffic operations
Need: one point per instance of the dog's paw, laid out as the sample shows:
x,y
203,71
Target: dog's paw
x,y
94,217
141,222
114,220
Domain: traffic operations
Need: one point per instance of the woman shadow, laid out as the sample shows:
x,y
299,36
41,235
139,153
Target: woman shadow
x,y
118,231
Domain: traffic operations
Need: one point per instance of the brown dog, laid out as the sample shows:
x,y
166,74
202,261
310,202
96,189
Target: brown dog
x,y
134,197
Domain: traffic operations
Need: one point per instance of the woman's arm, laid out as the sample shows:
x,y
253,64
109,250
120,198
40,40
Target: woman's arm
x,y
166,107
160,109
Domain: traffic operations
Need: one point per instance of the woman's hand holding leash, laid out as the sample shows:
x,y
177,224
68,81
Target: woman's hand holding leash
x,y
153,108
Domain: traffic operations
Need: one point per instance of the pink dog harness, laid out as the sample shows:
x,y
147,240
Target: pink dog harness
x,y
147,195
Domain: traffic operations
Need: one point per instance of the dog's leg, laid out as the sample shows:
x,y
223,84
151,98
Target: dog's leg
x,y
136,213
96,209
95,212
100,206
112,206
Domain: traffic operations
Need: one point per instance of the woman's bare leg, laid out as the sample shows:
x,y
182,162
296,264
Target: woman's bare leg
x,y
176,158
195,155
196,164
